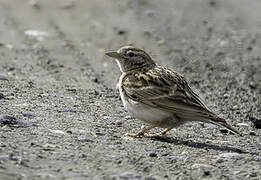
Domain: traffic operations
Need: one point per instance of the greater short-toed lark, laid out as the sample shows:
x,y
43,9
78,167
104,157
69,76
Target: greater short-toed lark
x,y
157,95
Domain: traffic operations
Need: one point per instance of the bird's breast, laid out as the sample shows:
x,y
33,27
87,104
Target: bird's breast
x,y
142,111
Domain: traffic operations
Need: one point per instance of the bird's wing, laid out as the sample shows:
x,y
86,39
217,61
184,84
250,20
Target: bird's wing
x,y
170,92
162,88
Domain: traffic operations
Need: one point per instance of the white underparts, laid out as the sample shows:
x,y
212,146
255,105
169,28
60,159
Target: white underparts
x,y
120,65
148,114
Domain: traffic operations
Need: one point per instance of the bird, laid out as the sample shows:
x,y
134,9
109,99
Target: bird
x,y
158,95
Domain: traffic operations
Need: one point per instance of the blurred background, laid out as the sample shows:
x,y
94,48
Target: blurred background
x,y
173,32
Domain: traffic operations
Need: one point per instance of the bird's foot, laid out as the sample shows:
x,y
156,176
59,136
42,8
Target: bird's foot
x,y
160,134
142,132
138,135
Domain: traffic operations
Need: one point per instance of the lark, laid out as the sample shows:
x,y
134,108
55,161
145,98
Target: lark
x,y
157,95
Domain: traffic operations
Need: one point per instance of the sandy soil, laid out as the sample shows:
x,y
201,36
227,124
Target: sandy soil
x,y
65,119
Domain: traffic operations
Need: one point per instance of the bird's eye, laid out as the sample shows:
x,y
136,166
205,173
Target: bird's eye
x,y
130,54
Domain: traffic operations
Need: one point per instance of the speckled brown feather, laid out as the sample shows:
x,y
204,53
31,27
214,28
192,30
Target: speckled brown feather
x,y
158,93
162,88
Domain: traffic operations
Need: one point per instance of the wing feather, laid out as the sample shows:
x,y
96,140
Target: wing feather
x,y
162,88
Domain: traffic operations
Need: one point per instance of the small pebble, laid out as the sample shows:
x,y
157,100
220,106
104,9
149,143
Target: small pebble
x,y
67,5
126,175
223,131
99,134
229,155
153,154
11,68
49,147
5,119
2,96
258,158
57,131
119,123
106,117
161,42
147,33
9,46
12,121
14,157
121,32
226,95
252,133
197,166
83,156
34,3
252,85
249,48
212,3
63,110
3,77
28,114
128,117
69,132
235,107
4,157
243,124
150,13
85,139
35,33
94,79
71,89
256,122
207,173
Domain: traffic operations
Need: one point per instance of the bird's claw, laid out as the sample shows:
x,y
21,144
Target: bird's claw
x,y
138,135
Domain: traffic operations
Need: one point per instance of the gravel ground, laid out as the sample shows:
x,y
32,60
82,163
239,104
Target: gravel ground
x,y
61,116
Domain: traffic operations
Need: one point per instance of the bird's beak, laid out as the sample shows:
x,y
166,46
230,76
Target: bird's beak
x,y
113,54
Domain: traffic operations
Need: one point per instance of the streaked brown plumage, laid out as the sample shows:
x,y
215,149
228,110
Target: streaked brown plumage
x,y
158,95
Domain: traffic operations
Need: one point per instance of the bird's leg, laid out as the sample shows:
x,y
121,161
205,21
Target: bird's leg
x,y
142,132
162,133
178,123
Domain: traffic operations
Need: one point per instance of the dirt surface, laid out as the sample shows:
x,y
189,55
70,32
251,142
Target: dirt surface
x,y
61,116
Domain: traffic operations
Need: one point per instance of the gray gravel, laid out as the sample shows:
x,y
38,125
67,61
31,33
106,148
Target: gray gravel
x,y
54,75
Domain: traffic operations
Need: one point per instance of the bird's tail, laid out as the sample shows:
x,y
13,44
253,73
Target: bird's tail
x,y
222,122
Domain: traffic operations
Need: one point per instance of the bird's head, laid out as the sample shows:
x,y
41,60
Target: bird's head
x,y
130,58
